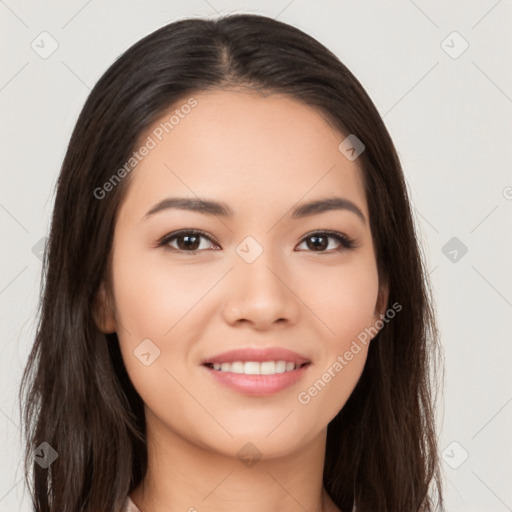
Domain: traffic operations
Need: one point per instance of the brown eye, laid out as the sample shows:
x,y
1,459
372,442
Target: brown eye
x,y
186,241
190,241
319,241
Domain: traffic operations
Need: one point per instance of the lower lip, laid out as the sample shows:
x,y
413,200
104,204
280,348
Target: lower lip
x,y
260,385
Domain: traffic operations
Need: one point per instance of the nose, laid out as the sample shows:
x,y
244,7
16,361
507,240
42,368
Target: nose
x,y
261,294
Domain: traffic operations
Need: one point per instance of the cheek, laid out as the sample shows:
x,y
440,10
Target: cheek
x,y
330,386
346,306
152,296
158,302
343,298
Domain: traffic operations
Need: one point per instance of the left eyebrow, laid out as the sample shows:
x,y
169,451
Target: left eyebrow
x,y
324,205
208,207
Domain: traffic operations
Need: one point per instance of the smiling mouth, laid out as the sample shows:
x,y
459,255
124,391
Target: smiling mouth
x,y
256,367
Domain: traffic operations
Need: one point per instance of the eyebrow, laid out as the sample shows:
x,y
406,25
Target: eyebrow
x,y
209,207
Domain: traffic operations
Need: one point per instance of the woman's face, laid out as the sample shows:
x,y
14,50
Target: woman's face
x,y
260,279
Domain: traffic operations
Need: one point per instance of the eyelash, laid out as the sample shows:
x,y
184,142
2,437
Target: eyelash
x,y
345,242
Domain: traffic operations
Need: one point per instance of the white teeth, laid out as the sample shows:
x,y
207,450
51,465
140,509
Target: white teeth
x,y
280,366
250,368
268,368
237,367
255,367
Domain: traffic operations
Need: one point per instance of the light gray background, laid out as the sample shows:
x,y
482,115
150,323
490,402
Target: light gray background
x,y
450,119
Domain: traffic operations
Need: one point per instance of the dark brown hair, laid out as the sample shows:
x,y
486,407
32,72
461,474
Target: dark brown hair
x,y
75,395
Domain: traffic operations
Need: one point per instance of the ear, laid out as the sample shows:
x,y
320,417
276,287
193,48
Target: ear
x,y
382,301
103,313
380,307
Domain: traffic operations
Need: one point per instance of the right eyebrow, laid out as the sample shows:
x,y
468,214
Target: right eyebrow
x,y
197,205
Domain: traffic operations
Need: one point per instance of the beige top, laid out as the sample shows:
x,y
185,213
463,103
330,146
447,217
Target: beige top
x,y
129,506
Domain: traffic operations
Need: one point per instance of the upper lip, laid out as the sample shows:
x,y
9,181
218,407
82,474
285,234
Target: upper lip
x,y
258,355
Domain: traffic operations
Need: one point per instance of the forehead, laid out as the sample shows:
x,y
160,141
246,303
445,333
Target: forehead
x,y
245,149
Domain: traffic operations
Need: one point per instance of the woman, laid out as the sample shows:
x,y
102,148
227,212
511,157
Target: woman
x,y
235,310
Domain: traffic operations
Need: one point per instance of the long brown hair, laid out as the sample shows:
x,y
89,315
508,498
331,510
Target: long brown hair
x,y
75,395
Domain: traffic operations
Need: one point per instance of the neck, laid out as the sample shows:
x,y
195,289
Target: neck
x,y
182,476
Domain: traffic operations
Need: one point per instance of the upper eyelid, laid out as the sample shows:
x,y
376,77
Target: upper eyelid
x,y
330,233
175,234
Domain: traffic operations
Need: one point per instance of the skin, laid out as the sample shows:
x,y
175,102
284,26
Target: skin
x,y
261,155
